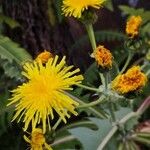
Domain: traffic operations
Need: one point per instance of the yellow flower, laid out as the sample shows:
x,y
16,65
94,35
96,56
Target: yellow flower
x,y
133,24
132,80
44,56
76,7
37,141
103,57
44,91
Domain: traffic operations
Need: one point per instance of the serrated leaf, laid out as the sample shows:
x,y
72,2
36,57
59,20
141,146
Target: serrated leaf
x,y
90,138
11,70
100,36
12,52
132,11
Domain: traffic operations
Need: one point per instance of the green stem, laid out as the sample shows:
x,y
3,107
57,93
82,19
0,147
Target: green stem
x,y
144,65
90,31
102,79
88,88
115,128
106,81
92,103
107,138
56,124
148,72
63,140
130,55
111,109
81,102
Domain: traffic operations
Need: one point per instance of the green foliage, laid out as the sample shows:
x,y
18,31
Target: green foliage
x,y
95,137
5,113
132,11
109,36
58,4
9,21
101,36
12,52
108,4
12,56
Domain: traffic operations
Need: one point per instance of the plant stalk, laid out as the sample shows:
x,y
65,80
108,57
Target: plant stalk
x,y
90,31
88,88
130,55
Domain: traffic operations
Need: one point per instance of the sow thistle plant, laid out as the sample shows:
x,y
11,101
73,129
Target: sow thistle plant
x,y
44,100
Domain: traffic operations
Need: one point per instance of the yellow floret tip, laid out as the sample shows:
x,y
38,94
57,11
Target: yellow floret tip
x,y
75,8
37,140
44,93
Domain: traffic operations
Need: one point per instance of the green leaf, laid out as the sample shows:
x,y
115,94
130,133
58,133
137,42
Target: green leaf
x,y
12,70
132,11
100,36
91,74
11,22
12,52
108,4
58,4
5,113
122,112
90,138
145,141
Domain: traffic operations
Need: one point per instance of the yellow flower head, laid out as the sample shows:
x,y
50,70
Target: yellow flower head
x,y
37,141
44,92
103,57
76,7
132,80
133,24
44,56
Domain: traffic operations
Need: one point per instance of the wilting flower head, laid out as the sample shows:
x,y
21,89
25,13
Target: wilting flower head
x,y
44,56
103,57
133,24
76,7
37,141
44,92
132,80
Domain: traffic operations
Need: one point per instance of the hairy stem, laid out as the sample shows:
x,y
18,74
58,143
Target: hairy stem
x,y
88,88
130,55
90,31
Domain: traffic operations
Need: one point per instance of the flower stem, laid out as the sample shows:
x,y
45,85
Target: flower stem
x,y
111,110
88,88
56,124
110,104
90,108
90,31
102,79
114,129
92,103
130,55
63,140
